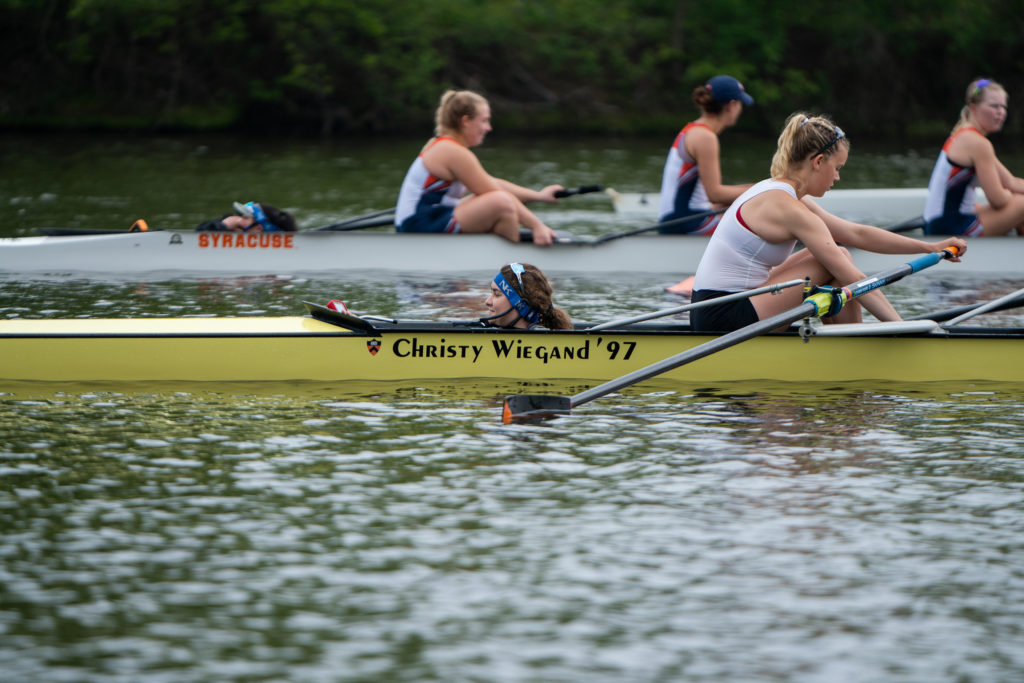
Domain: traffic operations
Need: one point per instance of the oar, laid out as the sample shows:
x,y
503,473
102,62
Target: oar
x,y
957,316
700,304
1005,303
582,189
1014,297
360,222
907,225
649,228
366,221
532,406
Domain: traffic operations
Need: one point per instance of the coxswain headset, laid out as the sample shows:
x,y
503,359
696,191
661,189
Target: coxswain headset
x,y
518,303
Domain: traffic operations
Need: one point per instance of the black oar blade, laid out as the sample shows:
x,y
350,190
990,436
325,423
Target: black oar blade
x,y
534,407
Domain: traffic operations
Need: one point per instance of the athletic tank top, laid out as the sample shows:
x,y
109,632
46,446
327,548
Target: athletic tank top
x,y
422,190
951,188
735,258
682,192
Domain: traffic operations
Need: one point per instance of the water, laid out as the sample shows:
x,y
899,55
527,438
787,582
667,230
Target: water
x,y
373,532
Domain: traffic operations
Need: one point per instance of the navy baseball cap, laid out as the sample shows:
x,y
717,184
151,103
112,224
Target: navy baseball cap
x,y
727,88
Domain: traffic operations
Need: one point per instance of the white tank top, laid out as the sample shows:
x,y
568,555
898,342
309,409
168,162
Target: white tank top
x,y
736,259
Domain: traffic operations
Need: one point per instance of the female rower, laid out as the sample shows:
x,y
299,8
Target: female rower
x,y
431,198
691,182
753,245
967,160
521,298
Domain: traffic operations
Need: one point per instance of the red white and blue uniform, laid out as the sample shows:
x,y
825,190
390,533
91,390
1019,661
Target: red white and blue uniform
x,y
682,192
735,260
949,209
427,203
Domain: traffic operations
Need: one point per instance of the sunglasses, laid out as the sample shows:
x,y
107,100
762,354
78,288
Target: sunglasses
x,y
839,135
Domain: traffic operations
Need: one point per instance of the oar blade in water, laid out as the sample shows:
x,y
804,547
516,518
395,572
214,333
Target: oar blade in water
x,y
523,407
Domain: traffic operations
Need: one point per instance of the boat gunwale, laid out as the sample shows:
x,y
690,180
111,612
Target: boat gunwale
x,y
473,327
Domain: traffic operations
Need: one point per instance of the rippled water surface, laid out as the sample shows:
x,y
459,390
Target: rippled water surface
x,y
379,532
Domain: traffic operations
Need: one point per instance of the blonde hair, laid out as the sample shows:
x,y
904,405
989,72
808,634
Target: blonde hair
x,y
803,137
975,94
453,106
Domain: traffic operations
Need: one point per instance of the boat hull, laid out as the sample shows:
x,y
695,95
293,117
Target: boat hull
x,y
163,255
293,349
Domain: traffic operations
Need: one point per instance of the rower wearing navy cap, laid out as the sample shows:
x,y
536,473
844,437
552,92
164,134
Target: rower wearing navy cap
x,y
691,182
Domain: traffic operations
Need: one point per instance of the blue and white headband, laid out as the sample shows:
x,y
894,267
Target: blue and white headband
x,y
255,211
524,309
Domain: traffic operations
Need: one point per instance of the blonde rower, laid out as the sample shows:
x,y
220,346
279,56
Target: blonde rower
x,y
968,160
432,194
754,243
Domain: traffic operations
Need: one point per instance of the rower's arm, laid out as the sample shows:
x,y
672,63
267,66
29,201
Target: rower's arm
x,y
525,194
878,240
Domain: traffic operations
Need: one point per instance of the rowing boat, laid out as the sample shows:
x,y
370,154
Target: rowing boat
x,y
331,346
161,255
875,206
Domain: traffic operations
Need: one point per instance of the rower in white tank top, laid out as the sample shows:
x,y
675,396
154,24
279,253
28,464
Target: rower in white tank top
x,y
736,259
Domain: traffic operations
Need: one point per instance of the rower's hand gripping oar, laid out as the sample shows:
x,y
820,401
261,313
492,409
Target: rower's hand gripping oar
x,y
650,228
825,301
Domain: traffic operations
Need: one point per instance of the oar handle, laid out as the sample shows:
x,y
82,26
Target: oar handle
x,y
582,189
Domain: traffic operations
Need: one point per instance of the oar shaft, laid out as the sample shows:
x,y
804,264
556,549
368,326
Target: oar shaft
x,y
914,223
699,304
949,314
696,353
811,306
996,304
358,225
898,272
359,220
656,226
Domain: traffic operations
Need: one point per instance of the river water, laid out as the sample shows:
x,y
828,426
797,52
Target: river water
x,y
260,532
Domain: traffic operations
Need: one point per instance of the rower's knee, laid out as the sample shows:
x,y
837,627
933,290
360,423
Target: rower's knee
x,y
506,205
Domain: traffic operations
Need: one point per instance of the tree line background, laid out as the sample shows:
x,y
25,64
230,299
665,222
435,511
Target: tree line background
x,y
887,69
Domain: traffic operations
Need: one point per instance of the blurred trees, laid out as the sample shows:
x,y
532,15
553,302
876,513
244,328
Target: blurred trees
x,y
379,66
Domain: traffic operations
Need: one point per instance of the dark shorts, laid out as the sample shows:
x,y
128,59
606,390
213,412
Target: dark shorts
x,y
436,218
697,226
963,224
724,317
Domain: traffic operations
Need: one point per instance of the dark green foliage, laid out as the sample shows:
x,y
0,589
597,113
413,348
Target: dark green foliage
x,y
348,66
